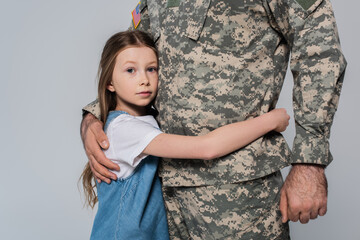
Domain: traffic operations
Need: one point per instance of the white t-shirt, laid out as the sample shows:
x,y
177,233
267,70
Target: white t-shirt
x,y
128,137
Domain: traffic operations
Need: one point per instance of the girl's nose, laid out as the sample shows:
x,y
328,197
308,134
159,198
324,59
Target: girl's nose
x,y
144,80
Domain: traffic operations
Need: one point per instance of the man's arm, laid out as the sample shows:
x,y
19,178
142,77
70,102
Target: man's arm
x,y
318,68
92,133
94,138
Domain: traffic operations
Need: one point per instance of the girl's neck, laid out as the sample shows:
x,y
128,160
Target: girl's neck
x,y
133,110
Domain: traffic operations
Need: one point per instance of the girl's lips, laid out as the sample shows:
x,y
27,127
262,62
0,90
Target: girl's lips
x,y
144,93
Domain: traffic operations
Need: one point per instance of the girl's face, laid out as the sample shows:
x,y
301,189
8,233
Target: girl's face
x,y
135,79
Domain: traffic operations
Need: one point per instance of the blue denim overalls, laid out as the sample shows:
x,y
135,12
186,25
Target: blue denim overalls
x,y
131,208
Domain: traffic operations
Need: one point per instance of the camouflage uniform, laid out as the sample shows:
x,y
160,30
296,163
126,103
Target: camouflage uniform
x,y
223,62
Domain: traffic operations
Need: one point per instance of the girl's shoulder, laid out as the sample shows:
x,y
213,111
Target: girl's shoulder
x,y
115,116
126,121
130,130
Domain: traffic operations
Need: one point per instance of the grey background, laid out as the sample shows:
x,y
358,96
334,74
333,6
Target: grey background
x,y
49,52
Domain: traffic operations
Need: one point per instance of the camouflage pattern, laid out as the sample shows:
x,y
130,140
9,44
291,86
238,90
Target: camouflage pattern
x,y
225,61
93,108
231,211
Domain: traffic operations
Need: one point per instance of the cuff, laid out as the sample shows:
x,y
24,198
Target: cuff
x,y
310,148
92,108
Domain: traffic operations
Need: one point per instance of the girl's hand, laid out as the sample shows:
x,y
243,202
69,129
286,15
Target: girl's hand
x,y
280,118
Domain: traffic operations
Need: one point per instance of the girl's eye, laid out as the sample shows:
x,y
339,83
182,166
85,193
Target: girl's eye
x,y
130,70
152,69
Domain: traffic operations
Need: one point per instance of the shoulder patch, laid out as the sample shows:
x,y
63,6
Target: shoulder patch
x,y
136,16
306,4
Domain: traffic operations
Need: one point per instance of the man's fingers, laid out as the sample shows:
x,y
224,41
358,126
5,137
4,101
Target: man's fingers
x,y
97,129
283,207
293,215
104,162
322,211
295,207
98,180
92,170
103,168
304,217
313,214
99,171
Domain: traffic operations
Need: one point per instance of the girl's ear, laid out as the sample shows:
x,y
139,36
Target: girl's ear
x,y
110,87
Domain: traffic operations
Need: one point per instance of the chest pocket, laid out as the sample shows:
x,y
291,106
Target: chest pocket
x,y
194,14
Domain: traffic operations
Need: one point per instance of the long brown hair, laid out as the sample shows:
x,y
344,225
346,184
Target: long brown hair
x,y
107,100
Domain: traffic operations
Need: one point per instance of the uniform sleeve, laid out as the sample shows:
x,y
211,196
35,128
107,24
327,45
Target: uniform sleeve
x,y
317,65
93,108
144,24
129,137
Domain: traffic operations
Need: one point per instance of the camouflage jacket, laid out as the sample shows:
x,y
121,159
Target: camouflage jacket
x,y
225,61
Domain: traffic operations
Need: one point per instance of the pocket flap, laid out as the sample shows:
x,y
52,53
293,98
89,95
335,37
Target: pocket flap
x,y
195,13
154,14
309,6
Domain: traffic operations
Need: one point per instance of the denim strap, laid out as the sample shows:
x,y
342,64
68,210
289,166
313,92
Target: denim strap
x,y
111,116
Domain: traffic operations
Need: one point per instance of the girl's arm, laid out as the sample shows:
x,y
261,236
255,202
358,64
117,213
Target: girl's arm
x,y
219,142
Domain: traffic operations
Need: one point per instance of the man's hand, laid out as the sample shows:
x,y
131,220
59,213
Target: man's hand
x,y
304,193
94,139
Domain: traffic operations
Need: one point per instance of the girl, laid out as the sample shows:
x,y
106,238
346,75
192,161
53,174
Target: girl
x,y
132,207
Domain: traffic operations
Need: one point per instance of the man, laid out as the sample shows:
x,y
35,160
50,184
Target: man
x,y
225,61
